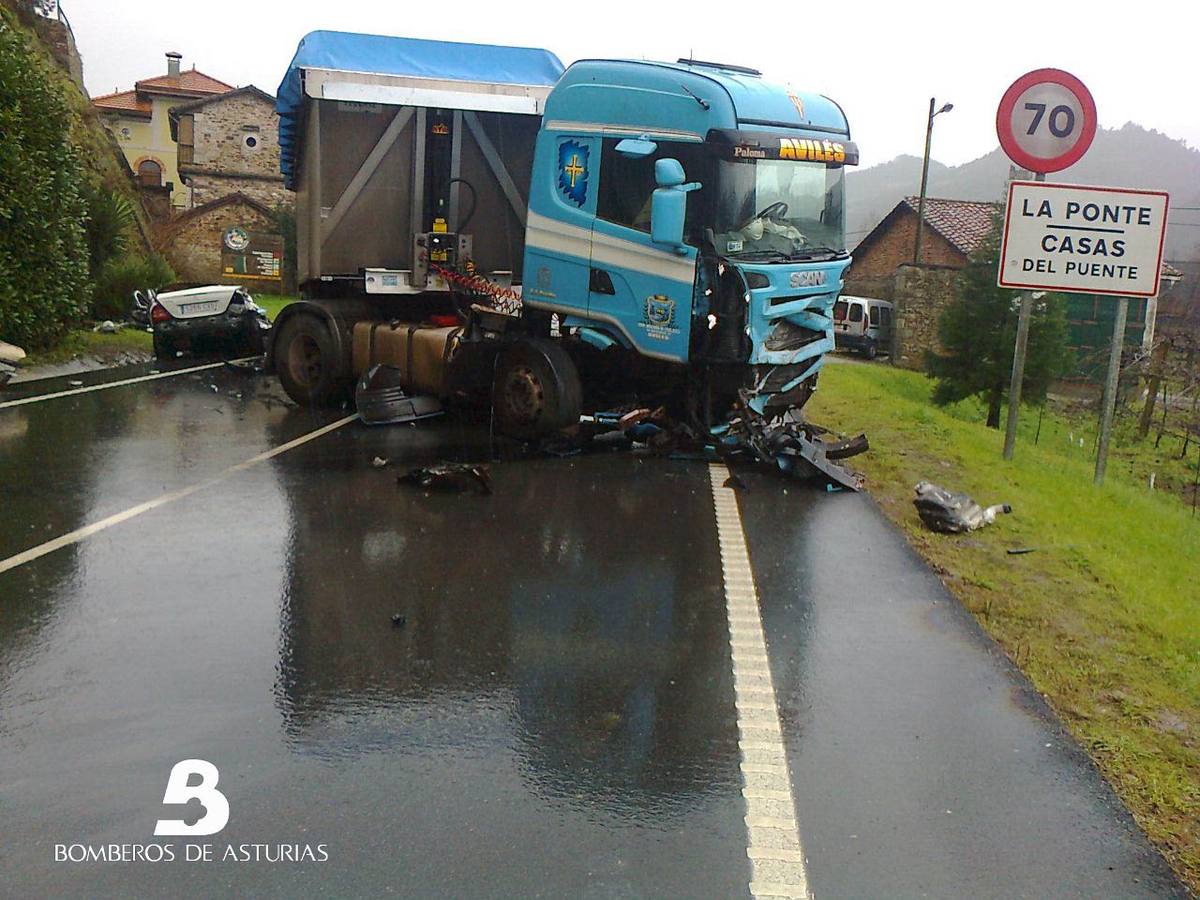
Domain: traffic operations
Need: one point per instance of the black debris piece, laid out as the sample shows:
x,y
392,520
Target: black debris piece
x,y
398,621
950,513
734,482
450,477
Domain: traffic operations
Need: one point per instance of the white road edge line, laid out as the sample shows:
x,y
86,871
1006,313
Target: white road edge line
x,y
21,401
79,534
777,870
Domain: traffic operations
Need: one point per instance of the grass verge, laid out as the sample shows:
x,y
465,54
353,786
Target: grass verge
x,y
92,344
1103,616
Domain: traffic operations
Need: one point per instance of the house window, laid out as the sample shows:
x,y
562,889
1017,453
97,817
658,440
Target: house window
x,y
250,141
149,173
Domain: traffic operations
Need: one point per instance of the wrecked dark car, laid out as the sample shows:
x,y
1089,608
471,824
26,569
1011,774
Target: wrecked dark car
x,y
214,317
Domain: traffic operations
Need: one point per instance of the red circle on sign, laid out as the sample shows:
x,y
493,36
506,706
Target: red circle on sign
x,y
1008,102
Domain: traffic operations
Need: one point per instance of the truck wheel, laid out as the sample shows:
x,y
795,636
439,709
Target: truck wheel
x,y
307,362
537,390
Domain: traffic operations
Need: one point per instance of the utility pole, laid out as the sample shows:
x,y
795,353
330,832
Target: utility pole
x,y
925,175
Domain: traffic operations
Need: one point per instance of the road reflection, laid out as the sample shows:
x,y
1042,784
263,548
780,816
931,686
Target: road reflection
x,y
578,627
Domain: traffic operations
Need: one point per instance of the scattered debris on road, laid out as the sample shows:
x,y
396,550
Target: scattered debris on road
x,y
450,477
379,462
398,621
108,326
950,513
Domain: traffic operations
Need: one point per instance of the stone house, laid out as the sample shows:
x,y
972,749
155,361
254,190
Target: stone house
x,y
883,267
197,243
140,121
954,229
229,144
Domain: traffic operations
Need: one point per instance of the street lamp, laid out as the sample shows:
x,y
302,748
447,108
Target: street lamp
x,y
946,107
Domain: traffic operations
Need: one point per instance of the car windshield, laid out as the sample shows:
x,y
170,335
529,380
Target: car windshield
x,y
771,208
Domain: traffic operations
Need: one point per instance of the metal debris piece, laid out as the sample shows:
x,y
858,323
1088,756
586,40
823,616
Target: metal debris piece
x,y
449,477
380,398
795,447
108,326
950,513
734,482
379,462
398,621
255,366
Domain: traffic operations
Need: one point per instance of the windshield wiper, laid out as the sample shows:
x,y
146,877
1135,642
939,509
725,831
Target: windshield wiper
x,y
814,252
760,254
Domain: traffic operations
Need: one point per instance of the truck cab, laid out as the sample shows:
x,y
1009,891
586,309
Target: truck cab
x,y
556,239
692,212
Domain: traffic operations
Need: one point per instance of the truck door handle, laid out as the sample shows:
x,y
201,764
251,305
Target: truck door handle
x,y
600,282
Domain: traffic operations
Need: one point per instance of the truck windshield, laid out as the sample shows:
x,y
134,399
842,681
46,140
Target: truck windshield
x,y
779,209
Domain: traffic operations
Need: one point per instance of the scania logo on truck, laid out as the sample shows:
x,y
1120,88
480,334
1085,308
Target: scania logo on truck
x,y
816,151
807,279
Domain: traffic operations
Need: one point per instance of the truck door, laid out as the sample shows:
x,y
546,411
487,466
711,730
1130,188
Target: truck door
x,y
641,289
558,237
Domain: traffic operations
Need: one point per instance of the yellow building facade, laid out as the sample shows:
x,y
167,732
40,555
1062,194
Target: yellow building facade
x,y
140,120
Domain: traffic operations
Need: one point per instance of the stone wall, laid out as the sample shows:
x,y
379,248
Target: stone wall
x,y
270,192
223,131
920,294
235,149
895,248
192,243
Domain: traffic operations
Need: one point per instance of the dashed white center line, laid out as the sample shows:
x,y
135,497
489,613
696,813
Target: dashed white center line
x,y
772,834
112,384
74,537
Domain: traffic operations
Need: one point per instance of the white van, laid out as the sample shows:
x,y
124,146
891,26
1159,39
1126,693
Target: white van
x,y
863,324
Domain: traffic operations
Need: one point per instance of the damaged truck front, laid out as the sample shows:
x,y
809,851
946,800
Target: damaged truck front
x,y
562,241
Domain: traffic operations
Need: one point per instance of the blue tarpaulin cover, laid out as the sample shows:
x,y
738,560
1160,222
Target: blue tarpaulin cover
x,y
400,56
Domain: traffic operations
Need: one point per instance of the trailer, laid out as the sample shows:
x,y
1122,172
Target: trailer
x,y
553,240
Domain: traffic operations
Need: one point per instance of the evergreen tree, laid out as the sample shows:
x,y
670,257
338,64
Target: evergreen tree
x,y
978,332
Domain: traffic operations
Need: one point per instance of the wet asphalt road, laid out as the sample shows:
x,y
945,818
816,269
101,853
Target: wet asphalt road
x,y
556,716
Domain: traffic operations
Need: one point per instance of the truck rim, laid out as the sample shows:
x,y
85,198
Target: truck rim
x,y
304,360
523,394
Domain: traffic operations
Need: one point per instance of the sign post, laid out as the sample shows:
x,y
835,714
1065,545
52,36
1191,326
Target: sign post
x,y
1046,122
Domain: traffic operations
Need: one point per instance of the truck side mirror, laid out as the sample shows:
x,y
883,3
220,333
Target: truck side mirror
x,y
668,206
636,148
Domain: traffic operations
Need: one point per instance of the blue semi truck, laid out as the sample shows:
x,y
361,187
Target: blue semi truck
x,y
559,241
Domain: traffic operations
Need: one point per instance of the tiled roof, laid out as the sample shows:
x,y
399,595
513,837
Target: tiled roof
x,y
189,83
964,223
126,102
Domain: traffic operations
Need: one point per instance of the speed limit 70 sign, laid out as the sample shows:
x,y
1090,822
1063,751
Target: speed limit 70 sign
x,y
1046,120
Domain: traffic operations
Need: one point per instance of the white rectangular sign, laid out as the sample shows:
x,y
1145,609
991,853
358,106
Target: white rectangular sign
x,y
1089,240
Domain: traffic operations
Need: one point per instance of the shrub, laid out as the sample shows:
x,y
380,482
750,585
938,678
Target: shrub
x,y
120,277
43,251
109,217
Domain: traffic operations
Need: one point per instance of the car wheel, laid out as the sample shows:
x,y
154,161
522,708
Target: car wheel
x,y
537,390
307,362
871,351
164,347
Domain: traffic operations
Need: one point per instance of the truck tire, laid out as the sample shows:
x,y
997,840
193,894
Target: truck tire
x,y
537,390
307,362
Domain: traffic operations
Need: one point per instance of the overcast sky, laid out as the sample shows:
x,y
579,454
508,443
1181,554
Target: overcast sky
x,y
880,61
